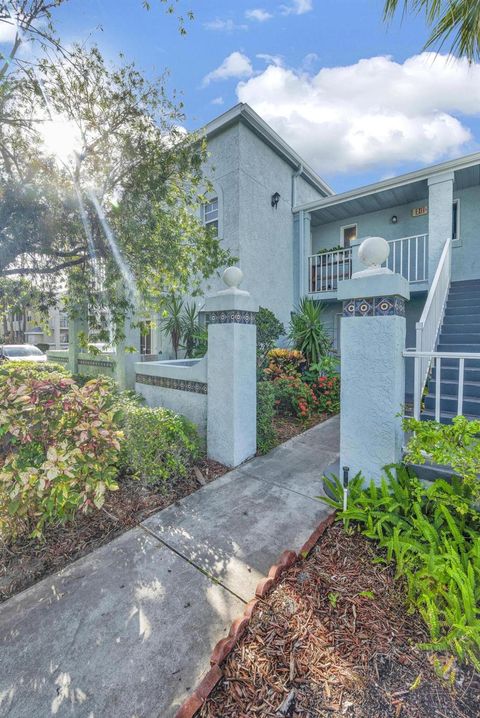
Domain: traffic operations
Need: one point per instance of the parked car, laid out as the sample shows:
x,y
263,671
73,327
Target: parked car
x,y
21,352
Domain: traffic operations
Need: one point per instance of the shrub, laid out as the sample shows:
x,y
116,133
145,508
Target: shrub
x,y
159,445
308,332
327,392
30,368
284,362
433,534
456,445
294,397
266,437
58,448
269,329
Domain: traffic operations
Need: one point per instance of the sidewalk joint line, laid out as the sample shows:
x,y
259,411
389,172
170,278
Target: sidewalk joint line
x,y
280,486
192,563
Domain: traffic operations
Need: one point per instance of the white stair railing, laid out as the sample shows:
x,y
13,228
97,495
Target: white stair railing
x,y
428,328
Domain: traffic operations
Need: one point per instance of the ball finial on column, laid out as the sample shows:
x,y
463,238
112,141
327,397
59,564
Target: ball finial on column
x,y
232,277
373,252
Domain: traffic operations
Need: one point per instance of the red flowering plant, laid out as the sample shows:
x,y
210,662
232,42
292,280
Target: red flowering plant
x,y
324,380
294,397
59,447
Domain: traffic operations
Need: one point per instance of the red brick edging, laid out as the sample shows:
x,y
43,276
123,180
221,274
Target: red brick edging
x,y
195,701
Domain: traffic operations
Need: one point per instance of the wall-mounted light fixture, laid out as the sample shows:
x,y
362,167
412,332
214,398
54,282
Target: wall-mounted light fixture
x,y
394,219
275,200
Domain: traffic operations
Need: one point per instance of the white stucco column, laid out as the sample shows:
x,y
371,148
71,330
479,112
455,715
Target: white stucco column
x,y
305,251
440,201
232,373
125,360
373,330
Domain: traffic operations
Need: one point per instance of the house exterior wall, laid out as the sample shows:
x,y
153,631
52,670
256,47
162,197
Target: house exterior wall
x,y
466,251
245,173
374,224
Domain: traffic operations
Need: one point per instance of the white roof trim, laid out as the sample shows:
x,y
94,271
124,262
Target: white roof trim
x,y
243,112
392,183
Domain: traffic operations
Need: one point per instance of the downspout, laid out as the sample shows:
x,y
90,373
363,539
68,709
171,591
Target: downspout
x,y
294,184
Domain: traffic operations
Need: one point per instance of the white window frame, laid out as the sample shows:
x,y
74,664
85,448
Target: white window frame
x,y
342,230
214,219
458,238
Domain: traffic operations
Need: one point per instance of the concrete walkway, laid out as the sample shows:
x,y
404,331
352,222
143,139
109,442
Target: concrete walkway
x,y
127,631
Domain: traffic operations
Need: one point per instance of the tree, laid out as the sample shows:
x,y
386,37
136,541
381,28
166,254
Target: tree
x,y
114,215
308,332
455,20
17,296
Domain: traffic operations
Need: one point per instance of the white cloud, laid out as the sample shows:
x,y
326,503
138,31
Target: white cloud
x,y
258,14
223,25
218,101
297,7
373,113
271,59
235,65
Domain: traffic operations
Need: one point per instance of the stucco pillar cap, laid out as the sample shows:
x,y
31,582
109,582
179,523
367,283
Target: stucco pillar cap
x,y
232,297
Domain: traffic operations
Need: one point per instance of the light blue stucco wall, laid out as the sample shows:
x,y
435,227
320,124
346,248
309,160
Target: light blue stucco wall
x,y
246,172
374,224
466,252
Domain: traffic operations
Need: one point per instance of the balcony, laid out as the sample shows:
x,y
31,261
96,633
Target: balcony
x,y
408,257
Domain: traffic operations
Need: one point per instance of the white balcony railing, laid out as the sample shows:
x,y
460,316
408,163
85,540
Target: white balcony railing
x,y
409,257
326,270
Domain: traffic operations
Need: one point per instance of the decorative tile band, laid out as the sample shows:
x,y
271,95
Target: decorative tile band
x,y
58,360
375,307
97,362
233,316
195,387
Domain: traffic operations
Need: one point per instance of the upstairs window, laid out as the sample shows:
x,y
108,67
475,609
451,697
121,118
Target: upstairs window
x,y
210,215
456,219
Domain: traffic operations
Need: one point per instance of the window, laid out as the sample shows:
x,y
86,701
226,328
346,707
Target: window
x,y
145,337
456,219
210,215
348,234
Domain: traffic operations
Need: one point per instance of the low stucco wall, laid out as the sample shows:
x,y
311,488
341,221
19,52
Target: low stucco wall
x,y
88,364
179,385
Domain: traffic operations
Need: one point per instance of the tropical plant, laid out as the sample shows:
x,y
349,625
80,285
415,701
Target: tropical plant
x,y
308,332
433,535
294,397
172,322
456,445
454,20
269,329
59,446
284,362
266,437
159,445
190,328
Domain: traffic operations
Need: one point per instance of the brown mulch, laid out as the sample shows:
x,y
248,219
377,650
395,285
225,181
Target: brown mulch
x,y
286,427
28,560
320,647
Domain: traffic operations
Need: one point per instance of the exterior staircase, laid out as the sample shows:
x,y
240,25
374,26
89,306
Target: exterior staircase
x,y
460,332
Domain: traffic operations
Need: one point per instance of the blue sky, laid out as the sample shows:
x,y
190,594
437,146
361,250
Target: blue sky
x,y
348,92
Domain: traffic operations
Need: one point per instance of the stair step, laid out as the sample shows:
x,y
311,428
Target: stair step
x,y
450,371
465,311
464,303
471,406
459,337
464,293
465,282
451,347
470,323
465,330
449,387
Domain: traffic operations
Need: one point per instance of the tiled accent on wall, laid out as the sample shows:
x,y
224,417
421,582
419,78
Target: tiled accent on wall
x,y
97,362
375,307
196,387
233,316
58,360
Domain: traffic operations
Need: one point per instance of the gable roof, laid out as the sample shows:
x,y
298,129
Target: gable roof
x,y
244,113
